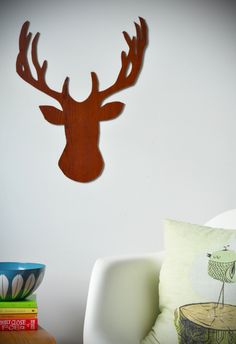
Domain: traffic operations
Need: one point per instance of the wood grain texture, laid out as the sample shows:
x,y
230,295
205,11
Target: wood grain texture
x,y
40,336
206,323
81,159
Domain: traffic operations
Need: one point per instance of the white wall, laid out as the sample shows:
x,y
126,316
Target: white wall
x,y
172,153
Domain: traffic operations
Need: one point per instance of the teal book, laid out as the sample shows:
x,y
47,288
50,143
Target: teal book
x,y
29,302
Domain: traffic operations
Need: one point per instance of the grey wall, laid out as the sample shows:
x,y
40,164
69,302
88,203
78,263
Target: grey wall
x,y
172,153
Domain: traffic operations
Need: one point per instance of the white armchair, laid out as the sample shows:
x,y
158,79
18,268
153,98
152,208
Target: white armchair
x,y
122,300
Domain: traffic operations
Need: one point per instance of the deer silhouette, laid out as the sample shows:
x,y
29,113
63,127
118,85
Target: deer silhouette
x,y
81,159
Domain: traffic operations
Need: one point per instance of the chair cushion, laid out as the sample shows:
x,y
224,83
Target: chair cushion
x,y
186,277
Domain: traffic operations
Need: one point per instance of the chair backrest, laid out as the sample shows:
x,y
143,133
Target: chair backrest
x,y
123,299
226,219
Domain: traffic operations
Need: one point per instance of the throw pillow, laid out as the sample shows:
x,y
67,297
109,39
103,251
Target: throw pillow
x,y
191,277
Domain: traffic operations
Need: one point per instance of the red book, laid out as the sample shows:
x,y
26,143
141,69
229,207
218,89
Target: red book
x,y
18,324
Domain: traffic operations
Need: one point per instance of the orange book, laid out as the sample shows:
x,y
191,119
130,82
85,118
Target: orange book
x,y
18,316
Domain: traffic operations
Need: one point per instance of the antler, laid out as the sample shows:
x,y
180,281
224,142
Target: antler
x,y
23,67
134,58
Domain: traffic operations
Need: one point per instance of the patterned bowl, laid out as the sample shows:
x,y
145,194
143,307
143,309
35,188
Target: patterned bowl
x,y
19,280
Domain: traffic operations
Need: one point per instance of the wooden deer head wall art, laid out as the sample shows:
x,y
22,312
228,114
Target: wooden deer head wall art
x,y
81,159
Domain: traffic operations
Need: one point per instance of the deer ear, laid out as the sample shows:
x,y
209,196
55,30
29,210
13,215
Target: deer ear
x,y
52,115
110,111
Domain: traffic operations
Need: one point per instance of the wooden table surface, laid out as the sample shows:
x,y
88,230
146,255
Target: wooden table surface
x,y
39,336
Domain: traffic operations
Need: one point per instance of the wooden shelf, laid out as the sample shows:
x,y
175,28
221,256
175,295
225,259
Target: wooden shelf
x,y
39,336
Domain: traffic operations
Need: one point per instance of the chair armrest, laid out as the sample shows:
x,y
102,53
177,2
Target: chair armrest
x,y
122,302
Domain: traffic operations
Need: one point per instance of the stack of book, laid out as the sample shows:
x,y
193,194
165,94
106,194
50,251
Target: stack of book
x,y
19,315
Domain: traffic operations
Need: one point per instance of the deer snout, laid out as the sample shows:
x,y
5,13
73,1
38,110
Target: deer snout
x,y
81,165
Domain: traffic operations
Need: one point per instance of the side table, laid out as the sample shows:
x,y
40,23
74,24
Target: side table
x,y
39,336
